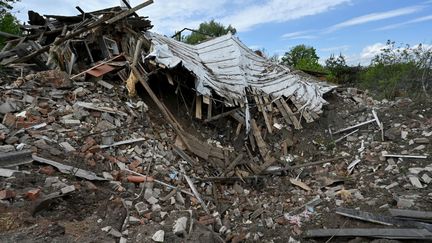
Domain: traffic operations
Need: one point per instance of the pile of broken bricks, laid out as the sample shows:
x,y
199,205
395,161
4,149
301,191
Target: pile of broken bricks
x,y
86,135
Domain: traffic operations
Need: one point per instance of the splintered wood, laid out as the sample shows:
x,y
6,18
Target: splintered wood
x,y
262,147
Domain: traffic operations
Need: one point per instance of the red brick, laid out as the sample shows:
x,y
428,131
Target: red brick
x,y
47,170
206,220
88,143
33,194
7,194
9,120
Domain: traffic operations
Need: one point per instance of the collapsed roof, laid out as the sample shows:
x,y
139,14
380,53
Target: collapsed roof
x,y
228,67
261,96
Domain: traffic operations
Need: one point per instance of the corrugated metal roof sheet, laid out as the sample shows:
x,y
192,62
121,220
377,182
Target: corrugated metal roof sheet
x,y
228,67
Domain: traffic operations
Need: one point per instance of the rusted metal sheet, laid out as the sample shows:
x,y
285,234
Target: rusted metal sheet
x,y
101,70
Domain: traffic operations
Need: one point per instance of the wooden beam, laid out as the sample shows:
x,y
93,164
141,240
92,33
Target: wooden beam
x,y
209,109
129,12
386,233
296,122
221,115
198,107
137,52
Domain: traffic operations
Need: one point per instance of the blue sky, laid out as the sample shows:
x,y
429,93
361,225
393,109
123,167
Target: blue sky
x,y
357,28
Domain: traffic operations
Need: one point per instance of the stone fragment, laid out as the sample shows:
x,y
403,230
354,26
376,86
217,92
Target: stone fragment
x,y
426,178
420,147
12,140
415,181
71,122
7,194
180,225
33,194
141,208
134,221
67,189
405,203
6,148
421,140
404,134
158,236
67,147
115,233
152,200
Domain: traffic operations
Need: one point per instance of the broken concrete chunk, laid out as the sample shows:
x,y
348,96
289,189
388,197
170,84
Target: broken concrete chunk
x,y
420,147
6,148
105,84
71,122
152,200
405,203
426,178
158,236
67,147
67,189
180,225
421,140
141,208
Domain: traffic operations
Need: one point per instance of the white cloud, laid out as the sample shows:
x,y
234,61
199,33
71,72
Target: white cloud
x,y
369,52
413,21
170,15
341,48
375,17
298,35
278,11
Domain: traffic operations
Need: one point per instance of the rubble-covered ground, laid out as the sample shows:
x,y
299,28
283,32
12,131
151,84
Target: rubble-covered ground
x,y
70,123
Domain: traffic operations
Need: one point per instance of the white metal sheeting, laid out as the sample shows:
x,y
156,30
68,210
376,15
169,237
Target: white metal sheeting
x,y
228,67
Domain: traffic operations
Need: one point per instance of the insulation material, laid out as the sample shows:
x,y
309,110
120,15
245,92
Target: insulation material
x,y
130,84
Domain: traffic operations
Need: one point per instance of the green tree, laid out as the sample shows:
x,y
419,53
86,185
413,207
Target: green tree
x,y
6,5
206,30
8,22
302,57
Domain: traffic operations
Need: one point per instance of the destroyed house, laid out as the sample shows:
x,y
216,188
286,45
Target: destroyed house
x,y
218,79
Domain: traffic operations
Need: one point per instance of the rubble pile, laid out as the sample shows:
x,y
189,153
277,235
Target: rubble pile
x,y
102,139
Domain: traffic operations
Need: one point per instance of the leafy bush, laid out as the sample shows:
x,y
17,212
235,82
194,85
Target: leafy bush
x,y
399,71
340,72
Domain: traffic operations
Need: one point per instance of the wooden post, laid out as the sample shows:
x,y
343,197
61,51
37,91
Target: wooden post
x,y
198,107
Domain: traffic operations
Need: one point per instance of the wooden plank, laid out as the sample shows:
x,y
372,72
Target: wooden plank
x,y
303,111
266,118
386,233
262,147
170,79
198,107
381,219
197,147
137,52
206,99
239,126
252,141
217,152
209,109
283,112
290,113
221,115
412,214
233,164
268,103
